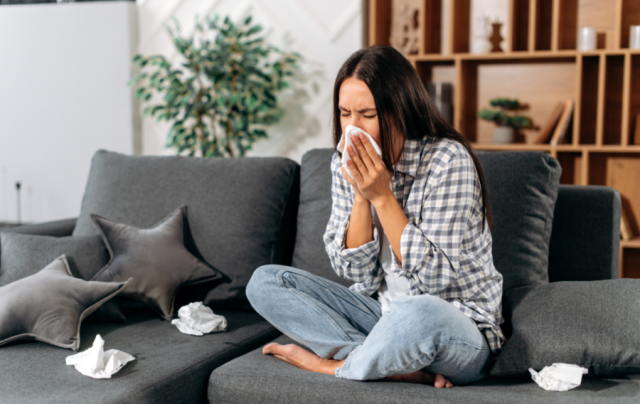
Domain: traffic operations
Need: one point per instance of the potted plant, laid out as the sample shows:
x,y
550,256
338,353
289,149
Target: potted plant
x,y
506,120
223,95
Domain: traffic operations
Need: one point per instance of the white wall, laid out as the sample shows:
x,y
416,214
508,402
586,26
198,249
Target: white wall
x,y
325,32
63,70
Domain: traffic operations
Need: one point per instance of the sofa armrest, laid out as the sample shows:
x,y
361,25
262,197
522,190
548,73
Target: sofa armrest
x,y
585,237
58,228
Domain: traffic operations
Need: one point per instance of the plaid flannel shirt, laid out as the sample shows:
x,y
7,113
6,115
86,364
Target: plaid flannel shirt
x,y
444,250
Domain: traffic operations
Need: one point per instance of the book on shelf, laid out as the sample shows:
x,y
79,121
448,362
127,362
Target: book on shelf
x,y
626,233
547,130
636,134
563,124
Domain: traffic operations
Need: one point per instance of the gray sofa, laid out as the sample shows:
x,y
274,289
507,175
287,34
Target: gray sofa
x,y
248,212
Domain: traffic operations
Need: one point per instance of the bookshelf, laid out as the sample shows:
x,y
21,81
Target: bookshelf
x,y
542,67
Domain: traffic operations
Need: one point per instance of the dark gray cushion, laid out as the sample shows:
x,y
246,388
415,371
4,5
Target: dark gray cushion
x,y
313,214
170,367
585,239
258,378
25,254
241,211
56,228
50,305
156,259
591,324
523,187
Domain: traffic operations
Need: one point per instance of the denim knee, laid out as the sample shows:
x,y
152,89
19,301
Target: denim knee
x,y
261,280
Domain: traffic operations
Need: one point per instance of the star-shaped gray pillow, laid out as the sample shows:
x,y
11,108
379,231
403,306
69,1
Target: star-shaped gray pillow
x,y
155,258
49,306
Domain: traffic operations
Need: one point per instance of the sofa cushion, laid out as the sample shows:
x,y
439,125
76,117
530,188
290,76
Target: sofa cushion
x,y
256,377
313,214
50,305
522,187
155,258
170,367
241,211
26,254
594,324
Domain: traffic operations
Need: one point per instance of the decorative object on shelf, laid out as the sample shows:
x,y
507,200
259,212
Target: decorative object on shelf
x,y
587,39
224,95
626,233
634,37
405,29
547,130
442,96
507,122
480,35
496,38
563,124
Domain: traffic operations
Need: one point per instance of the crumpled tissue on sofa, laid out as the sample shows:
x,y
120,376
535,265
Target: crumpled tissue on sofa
x,y
96,363
198,319
559,376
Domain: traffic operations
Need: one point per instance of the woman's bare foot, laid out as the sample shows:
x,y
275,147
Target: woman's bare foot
x,y
438,381
300,357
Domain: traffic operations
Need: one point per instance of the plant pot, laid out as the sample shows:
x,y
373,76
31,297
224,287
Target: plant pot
x,y
503,134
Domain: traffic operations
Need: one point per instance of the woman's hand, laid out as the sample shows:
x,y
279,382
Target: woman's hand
x,y
370,175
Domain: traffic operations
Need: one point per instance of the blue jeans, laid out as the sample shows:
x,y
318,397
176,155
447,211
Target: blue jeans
x,y
420,333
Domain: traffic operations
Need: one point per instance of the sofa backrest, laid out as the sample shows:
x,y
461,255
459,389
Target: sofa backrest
x,y
522,190
241,212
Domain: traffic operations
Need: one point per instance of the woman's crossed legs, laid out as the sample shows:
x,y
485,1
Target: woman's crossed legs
x,y
423,338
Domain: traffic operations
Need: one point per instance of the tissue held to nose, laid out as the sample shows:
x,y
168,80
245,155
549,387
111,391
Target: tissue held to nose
x,y
349,131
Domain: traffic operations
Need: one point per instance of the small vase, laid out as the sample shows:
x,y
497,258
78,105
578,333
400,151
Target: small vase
x,y
503,134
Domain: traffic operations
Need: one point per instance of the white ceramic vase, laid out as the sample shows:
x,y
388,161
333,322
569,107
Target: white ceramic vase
x,y
503,134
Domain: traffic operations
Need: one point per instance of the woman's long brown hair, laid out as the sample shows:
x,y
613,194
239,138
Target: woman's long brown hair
x,y
402,102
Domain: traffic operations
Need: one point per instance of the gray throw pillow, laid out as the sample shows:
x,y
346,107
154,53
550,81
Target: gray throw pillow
x,y
25,254
50,305
155,258
594,324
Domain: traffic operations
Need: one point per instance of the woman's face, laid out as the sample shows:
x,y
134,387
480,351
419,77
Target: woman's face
x,y
358,108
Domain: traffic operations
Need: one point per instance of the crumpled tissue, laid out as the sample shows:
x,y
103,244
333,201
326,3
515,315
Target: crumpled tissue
x,y
96,363
559,376
349,131
198,319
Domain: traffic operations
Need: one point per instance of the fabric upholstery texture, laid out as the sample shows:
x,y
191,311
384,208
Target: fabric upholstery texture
x,y
241,211
170,367
523,187
155,258
56,228
256,377
574,257
313,214
591,324
26,254
50,305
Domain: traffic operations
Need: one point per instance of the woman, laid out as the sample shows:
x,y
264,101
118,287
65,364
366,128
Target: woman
x,y
411,227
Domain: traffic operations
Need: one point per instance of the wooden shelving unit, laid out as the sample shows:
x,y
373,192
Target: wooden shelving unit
x,y
542,67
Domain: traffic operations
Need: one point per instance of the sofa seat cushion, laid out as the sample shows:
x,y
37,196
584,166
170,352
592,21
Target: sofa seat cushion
x,y
170,367
256,377
241,211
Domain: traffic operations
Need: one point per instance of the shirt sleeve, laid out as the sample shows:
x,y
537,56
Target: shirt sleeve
x,y
357,264
430,249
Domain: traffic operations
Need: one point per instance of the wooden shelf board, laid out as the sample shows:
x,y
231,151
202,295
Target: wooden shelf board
x,y
520,55
560,148
633,243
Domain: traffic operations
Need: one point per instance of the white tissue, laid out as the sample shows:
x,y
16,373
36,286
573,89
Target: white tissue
x,y
349,131
198,319
559,376
96,363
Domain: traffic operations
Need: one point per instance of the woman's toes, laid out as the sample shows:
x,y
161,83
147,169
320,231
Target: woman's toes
x,y
268,349
441,382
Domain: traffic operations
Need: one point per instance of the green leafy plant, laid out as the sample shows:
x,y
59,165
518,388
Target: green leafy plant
x,y
223,95
505,116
